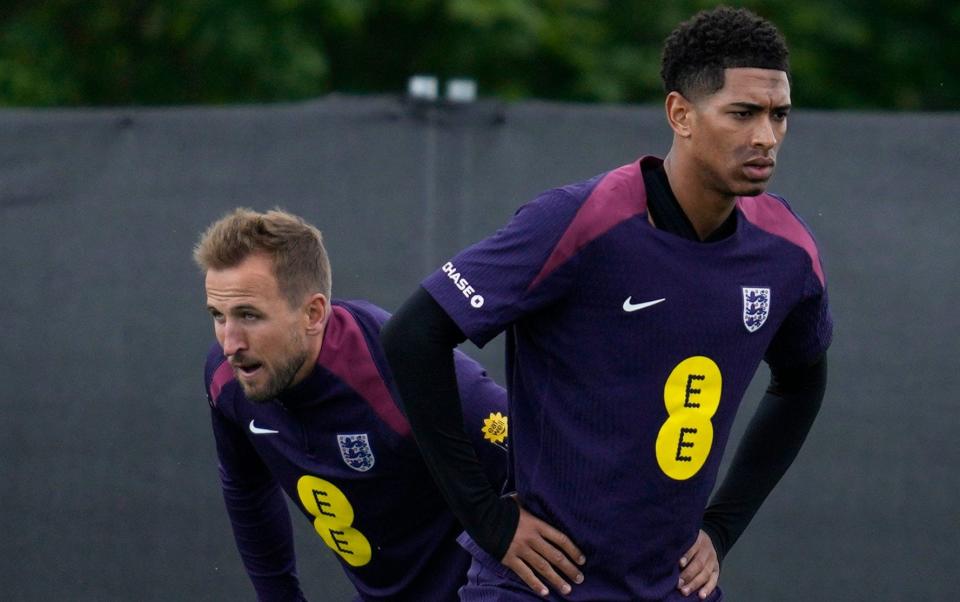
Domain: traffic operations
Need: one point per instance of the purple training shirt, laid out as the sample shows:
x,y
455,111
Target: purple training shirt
x,y
338,445
629,350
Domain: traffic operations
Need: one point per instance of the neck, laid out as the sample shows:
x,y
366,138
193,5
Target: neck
x,y
705,207
314,345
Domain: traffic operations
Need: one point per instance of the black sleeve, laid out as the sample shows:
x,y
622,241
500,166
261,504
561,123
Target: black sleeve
x,y
419,340
769,446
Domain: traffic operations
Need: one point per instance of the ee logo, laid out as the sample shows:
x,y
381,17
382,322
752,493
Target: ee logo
x,y
692,396
333,519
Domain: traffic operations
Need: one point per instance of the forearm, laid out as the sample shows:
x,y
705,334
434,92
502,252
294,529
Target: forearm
x,y
419,341
770,444
484,405
264,537
258,515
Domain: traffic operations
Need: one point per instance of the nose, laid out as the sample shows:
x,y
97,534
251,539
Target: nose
x,y
765,134
234,338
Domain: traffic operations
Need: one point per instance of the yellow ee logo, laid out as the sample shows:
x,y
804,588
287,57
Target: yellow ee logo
x,y
692,396
333,519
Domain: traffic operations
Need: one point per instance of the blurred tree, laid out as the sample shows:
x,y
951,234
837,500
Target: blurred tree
x,y
67,52
877,54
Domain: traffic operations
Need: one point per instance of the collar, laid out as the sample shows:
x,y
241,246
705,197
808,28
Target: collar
x,y
666,211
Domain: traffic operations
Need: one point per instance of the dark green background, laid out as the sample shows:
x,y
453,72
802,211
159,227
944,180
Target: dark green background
x,y
860,54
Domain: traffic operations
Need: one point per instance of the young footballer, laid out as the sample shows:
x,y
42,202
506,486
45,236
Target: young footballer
x,y
638,305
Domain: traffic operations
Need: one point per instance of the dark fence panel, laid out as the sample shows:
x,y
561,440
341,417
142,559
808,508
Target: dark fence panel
x,y
108,487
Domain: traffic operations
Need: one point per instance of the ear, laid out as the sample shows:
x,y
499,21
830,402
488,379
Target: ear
x,y
680,114
317,310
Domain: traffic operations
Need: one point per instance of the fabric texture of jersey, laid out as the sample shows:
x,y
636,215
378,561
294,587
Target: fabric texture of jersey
x,y
628,352
338,445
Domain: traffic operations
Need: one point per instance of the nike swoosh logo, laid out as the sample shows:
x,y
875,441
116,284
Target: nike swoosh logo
x,y
256,430
628,307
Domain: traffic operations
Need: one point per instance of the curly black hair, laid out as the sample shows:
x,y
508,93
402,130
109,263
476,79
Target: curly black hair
x,y
699,49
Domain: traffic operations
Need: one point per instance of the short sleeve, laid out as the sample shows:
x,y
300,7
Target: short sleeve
x,y
807,331
491,284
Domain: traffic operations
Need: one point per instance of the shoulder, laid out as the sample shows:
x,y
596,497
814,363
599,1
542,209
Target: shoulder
x,y
364,310
352,352
217,373
600,204
772,214
620,188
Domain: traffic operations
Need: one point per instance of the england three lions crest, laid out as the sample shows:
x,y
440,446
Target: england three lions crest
x,y
356,451
756,307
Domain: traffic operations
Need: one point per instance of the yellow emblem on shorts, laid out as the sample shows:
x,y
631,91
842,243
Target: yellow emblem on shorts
x,y
495,428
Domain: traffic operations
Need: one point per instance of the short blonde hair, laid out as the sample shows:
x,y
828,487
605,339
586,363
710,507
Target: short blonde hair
x,y
300,261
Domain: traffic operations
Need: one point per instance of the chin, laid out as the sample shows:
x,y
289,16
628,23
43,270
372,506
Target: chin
x,y
751,189
256,394
737,185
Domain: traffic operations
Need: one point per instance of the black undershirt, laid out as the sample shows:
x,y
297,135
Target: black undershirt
x,y
419,341
669,216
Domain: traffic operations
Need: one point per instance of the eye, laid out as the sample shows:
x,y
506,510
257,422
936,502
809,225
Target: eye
x,y
217,316
741,114
249,316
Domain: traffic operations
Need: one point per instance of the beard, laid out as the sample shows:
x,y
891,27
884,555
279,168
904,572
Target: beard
x,y
279,378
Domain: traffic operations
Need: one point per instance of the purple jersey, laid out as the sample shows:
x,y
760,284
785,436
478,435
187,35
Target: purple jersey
x,y
338,445
628,352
